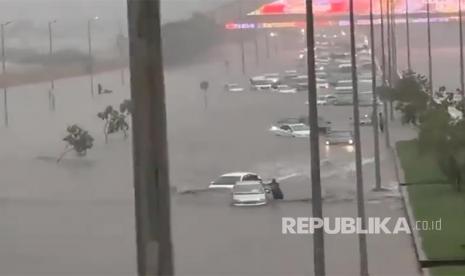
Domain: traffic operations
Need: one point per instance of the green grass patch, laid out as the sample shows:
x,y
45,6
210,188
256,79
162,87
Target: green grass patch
x,y
448,271
431,202
418,167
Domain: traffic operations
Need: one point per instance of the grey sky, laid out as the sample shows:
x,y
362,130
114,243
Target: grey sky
x,y
76,10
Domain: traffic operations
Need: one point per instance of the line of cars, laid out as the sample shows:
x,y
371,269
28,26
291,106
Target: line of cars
x,y
333,66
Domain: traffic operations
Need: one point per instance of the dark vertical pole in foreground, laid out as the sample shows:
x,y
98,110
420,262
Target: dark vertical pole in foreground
x,y
430,61
150,146
407,26
317,208
375,102
462,84
362,243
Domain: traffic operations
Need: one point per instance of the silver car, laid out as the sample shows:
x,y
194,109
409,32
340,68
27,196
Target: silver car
x,y
249,193
339,137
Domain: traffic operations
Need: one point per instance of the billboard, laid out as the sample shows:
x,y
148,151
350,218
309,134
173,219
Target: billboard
x,y
361,7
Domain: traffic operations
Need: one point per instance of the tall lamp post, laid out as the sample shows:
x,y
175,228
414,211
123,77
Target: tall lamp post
x,y
375,103
52,81
5,90
362,241
317,208
430,62
407,26
91,59
462,85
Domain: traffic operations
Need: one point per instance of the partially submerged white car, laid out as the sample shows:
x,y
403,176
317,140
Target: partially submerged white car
x,y
228,180
249,193
291,130
260,83
283,88
233,87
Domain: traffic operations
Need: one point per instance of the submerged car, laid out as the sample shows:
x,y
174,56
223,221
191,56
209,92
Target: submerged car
x,y
283,88
233,87
260,83
339,137
227,181
326,99
291,130
249,193
323,125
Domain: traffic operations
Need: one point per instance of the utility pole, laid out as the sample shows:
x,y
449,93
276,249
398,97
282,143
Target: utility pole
x,y
389,75
51,96
150,146
91,58
407,26
5,90
462,85
242,40
383,52
267,45
362,242
430,62
394,54
317,205
374,115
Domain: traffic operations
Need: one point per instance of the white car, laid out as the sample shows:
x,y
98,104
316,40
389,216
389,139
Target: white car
x,y
325,100
249,193
227,181
291,130
291,73
285,89
260,83
272,77
339,137
322,83
233,87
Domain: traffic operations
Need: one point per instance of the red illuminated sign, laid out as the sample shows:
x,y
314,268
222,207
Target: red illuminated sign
x,y
334,7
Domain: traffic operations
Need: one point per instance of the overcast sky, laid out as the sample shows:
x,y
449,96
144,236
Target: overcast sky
x,y
74,10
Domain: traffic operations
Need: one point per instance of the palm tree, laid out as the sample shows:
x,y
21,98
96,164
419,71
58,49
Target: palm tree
x,y
317,209
358,149
150,150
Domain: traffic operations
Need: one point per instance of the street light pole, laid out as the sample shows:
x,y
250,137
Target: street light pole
x,y
52,81
358,148
242,40
430,62
375,102
267,45
383,52
389,75
91,61
407,26
317,205
5,90
462,85
394,54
